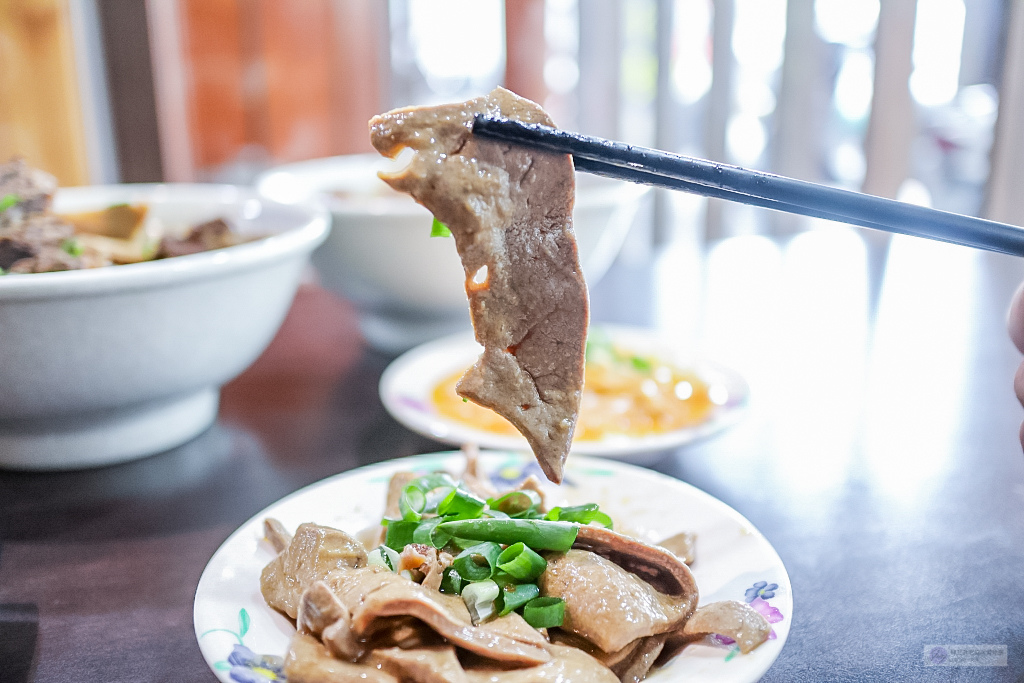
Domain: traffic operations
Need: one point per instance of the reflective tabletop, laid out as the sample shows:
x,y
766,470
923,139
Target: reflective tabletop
x,y
880,457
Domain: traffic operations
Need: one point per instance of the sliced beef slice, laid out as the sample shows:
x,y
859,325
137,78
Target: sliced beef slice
x,y
607,605
31,188
655,565
567,665
423,665
507,639
316,553
308,661
736,620
510,211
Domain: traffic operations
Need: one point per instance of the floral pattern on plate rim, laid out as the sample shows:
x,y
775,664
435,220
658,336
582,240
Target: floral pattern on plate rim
x,y
757,596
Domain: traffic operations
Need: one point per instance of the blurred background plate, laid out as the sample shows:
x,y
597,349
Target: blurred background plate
x,y
408,385
410,287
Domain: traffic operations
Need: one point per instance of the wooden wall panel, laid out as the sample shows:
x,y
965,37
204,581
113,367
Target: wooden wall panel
x,y
212,37
360,72
524,47
297,46
40,110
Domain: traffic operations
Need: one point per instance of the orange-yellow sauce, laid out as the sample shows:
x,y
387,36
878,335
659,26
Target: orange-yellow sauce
x,y
624,394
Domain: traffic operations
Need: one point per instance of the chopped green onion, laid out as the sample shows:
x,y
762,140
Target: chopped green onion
x,y
537,533
399,533
435,497
461,504
451,582
479,598
434,480
411,503
521,563
544,612
580,514
640,363
439,229
427,533
516,503
496,514
383,556
71,247
8,201
478,562
459,543
515,595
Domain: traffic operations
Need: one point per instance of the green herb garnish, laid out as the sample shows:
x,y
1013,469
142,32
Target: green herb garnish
x,y
544,612
72,247
515,595
8,201
497,544
521,563
439,229
539,534
580,514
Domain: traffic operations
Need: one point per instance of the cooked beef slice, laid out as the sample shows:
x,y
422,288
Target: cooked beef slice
x,y
657,566
607,605
316,553
308,661
634,668
736,620
374,599
510,211
683,545
567,665
32,188
422,665
215,234
276,535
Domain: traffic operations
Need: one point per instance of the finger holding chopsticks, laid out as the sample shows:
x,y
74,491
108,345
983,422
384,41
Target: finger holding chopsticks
x,y
746,186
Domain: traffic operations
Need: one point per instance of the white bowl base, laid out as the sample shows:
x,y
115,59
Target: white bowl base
x,y
69,442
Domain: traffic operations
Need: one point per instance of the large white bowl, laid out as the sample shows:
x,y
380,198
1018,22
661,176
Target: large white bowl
x,y
410,287
105,365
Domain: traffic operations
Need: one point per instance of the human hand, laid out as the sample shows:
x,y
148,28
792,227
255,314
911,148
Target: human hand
x,y
1015,326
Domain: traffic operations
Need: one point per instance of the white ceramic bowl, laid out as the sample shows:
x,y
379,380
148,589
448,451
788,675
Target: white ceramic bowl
x,y
104,365
410,287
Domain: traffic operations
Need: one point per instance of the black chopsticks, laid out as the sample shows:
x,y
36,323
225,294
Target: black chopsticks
x,y
723,181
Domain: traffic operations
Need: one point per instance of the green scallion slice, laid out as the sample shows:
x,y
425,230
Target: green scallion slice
x,y
451,582
8,201
411,503
427,533
434,480
478,562
71,247
580,514
439,229
399,534
460,504
516,503
538,534
479,598
544,612
521,563
383,556
515,595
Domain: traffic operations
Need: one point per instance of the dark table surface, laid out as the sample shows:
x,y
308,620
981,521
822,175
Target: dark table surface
x,y
880,458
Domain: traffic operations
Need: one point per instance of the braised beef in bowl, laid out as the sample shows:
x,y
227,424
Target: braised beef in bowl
x,y
107,364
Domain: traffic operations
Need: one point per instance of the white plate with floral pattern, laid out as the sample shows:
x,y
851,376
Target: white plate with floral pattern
x,y
243,640
408,383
